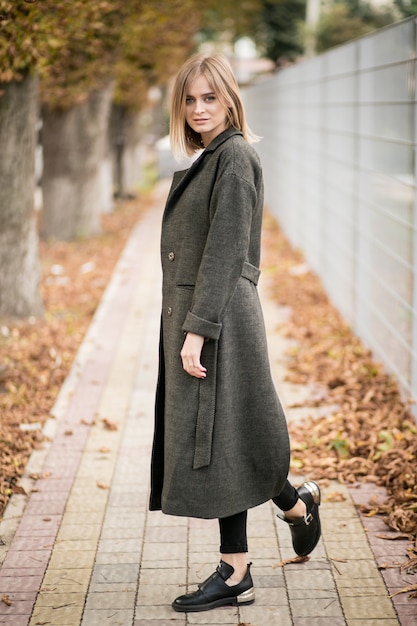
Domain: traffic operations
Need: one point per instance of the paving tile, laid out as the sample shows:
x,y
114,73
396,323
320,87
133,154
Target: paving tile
x,y
83,518
134,532
45,507
264,616
368,589
115,617
56,598
118,573
321,579
112,587
321,621
61,559
356,569
161,564
158,595
14,620
121,545
267,581
73,579
11,584
377,622
111,600
75,545
321,607
157,613
408,620
170,551
163,576
180,621
22,604
162,534
369,607
272,596
29,544
299,594
64,616
221,615
116,522
73,532
30,524
106,558
29,559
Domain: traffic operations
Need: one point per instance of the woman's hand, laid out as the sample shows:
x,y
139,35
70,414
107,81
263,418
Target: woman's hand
x,y
190,355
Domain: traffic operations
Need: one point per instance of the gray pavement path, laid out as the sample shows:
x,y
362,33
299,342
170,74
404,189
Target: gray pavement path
x,y
83,549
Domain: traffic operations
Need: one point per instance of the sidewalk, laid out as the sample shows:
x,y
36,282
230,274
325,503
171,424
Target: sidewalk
x,y
83,549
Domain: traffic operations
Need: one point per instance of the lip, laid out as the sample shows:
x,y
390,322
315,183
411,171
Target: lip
x,y
200,121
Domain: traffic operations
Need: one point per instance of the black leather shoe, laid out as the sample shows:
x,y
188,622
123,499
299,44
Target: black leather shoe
x,y
306,530
215,592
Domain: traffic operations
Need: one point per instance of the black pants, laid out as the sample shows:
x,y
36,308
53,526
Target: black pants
x,y
233,537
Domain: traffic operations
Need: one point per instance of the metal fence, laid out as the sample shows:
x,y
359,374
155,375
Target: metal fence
x,y
338,151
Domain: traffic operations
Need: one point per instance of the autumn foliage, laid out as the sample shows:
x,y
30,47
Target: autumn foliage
x,y
36,354
368,432
77,46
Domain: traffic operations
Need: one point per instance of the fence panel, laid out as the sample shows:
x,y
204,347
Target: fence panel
x,y
338,149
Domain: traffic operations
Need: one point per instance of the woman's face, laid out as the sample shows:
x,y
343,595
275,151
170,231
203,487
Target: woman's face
x,y
204,112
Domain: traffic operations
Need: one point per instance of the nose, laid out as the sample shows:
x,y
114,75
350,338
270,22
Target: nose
x,y
199,106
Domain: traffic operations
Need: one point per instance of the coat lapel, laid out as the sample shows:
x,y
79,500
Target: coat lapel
x,y
182,178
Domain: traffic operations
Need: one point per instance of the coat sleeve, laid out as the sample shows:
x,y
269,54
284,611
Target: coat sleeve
x,y
231,208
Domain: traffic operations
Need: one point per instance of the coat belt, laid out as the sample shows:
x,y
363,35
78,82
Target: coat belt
x,y
251,272
207,393
206,409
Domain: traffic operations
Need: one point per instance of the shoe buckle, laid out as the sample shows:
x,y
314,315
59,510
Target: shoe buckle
x,y
308,519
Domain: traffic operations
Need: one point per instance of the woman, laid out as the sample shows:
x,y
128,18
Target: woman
x,y
221,442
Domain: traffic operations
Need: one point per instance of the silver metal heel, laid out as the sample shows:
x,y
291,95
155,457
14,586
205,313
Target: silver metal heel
x,y
314,490
247,597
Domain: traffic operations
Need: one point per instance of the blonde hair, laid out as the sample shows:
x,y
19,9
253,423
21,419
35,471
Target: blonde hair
x,y
218,73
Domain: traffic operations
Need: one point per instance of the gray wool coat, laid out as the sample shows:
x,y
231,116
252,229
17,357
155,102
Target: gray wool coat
x,y
220,444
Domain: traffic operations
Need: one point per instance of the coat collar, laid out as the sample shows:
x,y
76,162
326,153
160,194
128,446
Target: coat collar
x,y
181,178
221,138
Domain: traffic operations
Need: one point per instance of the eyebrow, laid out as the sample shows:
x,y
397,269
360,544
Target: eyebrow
x,y
203,95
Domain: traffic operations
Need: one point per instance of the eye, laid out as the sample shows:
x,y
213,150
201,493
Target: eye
x,y
210,98
189,100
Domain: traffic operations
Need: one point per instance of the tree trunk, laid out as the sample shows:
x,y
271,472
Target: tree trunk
x,y
74,147
19,251
129,150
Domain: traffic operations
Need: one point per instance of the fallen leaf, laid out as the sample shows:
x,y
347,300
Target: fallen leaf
x,y
19,490
87,422
406,590
334,496
104,449
101,485
109,425
43,476
5,598
36,354
295,559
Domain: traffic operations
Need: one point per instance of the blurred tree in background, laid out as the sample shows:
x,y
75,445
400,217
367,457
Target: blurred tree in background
x,y
93,64
407,8
272,24
277,29
344,20
20,32
83,53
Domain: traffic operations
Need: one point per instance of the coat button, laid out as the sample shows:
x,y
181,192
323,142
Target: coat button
x,y
169,310
171,256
